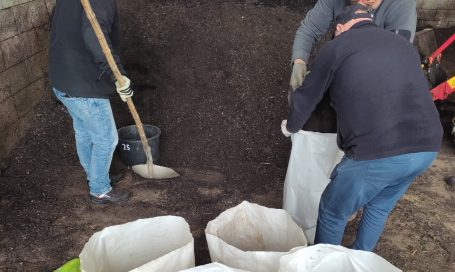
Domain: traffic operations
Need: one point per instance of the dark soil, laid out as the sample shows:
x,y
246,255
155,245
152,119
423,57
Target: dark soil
x,y
213,75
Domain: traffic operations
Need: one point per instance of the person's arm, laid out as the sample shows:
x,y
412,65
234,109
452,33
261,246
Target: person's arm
x,y
402,18
315,24
106,13
306,97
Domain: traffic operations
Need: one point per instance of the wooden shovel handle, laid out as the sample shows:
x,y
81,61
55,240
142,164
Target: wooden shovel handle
x,y
113,65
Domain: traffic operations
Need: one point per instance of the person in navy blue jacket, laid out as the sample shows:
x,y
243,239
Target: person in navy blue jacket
x,y
388,126
83,82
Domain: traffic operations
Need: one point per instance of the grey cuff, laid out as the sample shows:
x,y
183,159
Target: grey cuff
x,y
299,55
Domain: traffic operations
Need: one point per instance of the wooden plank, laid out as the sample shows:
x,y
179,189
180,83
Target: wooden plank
x,y
8,26
11,3
30,15
425,41
19,48
2,62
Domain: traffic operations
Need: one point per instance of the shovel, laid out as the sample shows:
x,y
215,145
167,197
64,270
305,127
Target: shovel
x,y
148,170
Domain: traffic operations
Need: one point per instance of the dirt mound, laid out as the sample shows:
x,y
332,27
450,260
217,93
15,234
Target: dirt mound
x,y
213,75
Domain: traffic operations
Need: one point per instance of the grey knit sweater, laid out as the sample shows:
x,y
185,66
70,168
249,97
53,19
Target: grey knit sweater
x,y
393,15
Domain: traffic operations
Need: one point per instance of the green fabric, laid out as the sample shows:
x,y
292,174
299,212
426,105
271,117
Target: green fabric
x,y
72,266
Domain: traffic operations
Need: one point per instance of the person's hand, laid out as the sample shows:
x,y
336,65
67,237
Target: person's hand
x,y
298,74
124,91
284,129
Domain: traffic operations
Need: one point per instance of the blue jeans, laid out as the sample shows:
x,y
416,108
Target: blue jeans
x,y
96,137
375,185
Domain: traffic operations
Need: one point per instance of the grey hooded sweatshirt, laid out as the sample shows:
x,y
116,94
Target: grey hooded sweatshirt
x,y
395,15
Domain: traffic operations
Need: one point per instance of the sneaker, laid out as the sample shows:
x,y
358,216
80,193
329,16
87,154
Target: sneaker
x,y
116,178
450,181
114,196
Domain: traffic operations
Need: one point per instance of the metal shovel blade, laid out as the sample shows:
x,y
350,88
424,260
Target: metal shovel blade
x,y
156,171
150,170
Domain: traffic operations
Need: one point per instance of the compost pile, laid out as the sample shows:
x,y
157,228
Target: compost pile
x,y
213,76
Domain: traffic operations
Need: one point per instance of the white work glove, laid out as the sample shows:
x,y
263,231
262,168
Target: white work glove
x,y
124,91
298,74
284,129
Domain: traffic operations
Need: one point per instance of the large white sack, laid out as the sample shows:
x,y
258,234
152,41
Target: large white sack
x,y
313,157
156,244
330,258
252,237
213,267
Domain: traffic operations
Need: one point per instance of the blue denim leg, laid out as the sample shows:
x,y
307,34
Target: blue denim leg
x,y
377,210
367,184
83,142
96,137
340,199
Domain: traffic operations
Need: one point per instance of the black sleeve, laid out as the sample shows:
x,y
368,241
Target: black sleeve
x,y
316,83
106,14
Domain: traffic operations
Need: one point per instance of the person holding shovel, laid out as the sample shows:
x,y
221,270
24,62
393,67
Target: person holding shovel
x,y
388,126
83,82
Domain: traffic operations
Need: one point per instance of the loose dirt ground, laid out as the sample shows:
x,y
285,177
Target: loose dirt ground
x,y
213,76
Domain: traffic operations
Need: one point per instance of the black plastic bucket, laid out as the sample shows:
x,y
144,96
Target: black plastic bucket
x,y
130,147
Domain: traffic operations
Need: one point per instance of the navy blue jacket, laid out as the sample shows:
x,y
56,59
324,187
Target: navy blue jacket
x,y
77,65
378,91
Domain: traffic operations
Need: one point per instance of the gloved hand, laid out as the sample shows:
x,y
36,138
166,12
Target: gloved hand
x,y
124,91
284,129
298,74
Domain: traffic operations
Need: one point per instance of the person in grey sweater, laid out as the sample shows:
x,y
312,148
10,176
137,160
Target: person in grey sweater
x,y
399,16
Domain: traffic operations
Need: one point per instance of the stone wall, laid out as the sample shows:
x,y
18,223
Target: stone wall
x,y
436,13
23,67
